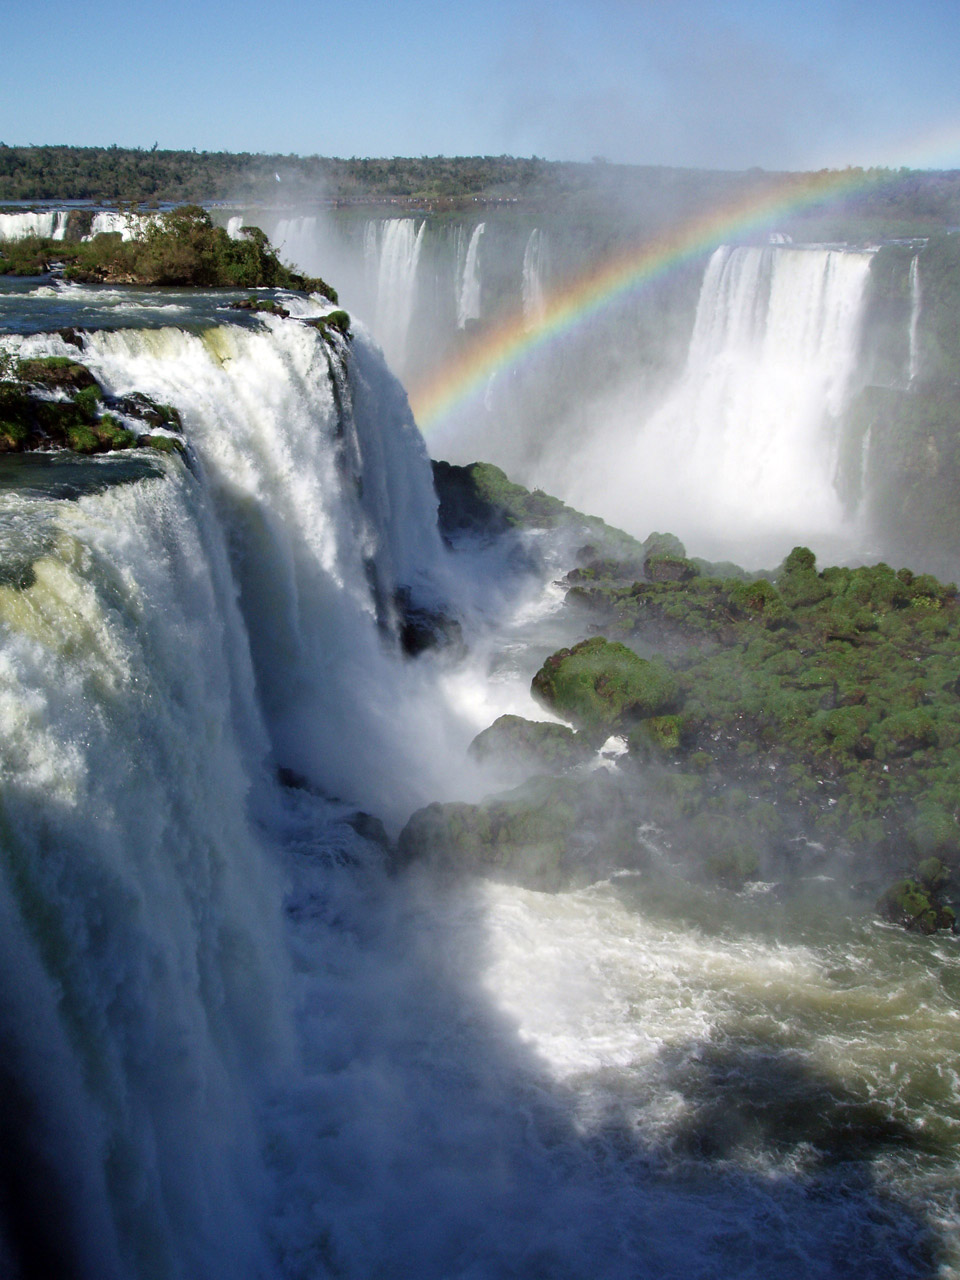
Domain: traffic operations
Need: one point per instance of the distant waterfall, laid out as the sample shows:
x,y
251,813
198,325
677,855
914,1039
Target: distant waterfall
x,y
50,225
741,456
531,288
129,225
234,224
295,240
913,363
392,251
468,297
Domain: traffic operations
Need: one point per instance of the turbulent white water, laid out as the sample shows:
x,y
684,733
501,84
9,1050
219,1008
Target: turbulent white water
x,y
51,224
469,293
233,1046
741,457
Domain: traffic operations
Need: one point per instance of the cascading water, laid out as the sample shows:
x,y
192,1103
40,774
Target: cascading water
x,y
468,295
531,290
297,241
233,1046
392,251
913,359
51,224
143,982
741,457
167,639
128,225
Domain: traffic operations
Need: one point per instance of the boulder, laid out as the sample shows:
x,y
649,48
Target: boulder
x,y
548,834
600,685
526,747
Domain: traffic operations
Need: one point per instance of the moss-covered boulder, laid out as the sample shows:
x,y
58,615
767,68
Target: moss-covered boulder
x,y
338,321
525,747
262,306
600,685
657,736
149,411
662,568
549,834
58,372
916,904
56,403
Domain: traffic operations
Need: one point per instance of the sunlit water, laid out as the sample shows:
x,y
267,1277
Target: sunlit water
x,y
235,1045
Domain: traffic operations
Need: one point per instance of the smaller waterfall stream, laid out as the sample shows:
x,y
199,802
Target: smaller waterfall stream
x,y
913,365
532,290
468,298
392,248
51,224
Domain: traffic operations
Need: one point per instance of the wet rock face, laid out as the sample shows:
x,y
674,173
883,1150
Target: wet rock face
x,y
422,627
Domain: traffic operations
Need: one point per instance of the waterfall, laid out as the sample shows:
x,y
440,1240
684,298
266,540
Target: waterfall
x,y
129,225
741,455
233,1046
161,644
142,989
295,240
50,225
531,288
324,482
234,224
468,298
392,251
913,362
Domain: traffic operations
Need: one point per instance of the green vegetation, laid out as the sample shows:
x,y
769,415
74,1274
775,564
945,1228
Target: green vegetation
x,y
333,320
880,201
529,747
917,903
181,247
56,403
549,833
479,499
774,720
601,686
835,692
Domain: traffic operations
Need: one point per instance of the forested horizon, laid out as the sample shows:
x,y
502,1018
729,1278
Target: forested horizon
x,y
924,198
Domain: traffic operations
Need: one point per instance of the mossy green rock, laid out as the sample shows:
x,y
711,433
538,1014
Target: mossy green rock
x,y
600,685
516,745
548,834
664,568
916,907
55,372
657,735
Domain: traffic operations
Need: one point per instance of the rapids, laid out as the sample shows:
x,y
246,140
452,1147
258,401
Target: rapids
x,y
236,1045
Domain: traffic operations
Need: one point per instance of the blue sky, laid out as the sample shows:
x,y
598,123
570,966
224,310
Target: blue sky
x,y
718,83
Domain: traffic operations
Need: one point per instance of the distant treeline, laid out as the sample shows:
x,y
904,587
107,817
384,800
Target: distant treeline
x,y
882,202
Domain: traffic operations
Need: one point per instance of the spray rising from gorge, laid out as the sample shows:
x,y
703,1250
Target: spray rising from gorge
x,y
300,980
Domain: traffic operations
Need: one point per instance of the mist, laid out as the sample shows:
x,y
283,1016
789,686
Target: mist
x,y
713,400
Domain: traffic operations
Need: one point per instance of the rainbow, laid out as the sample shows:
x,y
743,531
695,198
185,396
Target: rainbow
x,y
508,342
